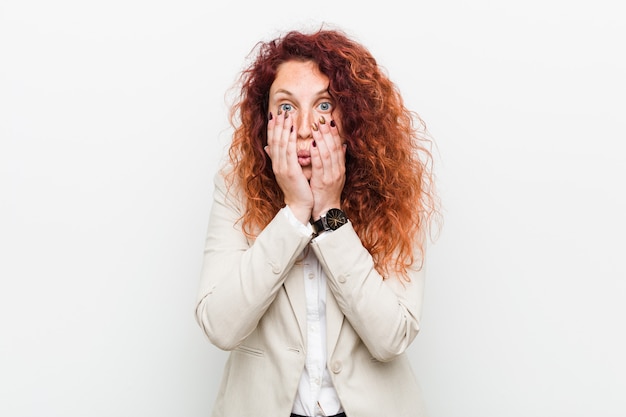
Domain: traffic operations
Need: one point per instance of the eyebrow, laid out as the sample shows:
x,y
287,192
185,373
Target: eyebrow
x,y
289,93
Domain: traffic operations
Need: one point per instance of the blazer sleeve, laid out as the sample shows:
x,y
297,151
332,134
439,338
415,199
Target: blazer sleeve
x,y
385,313
239,279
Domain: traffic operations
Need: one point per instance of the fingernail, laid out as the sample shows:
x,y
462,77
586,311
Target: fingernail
x,y
286,115
314,144
270,117
314,126
291,129
322,120
280,111
332,123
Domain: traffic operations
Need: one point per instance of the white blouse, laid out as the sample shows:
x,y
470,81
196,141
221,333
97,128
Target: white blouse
x,y
316,394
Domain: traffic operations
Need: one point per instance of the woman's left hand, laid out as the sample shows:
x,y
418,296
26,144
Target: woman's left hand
x,y
328,163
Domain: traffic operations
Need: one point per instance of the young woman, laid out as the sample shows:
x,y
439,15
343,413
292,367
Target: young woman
x,y
313,269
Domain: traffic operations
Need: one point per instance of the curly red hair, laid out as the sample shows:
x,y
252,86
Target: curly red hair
x,y
388,193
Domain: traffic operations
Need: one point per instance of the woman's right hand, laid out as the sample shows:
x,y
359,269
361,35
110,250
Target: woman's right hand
x,y
281,148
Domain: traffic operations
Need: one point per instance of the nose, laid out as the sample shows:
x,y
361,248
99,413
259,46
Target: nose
x,y
304,124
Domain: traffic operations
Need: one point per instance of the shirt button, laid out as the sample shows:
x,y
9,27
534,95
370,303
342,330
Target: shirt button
x,y
336,367
341,278
311,275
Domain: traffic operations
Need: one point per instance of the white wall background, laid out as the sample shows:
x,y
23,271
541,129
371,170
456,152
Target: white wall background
x,y
112,121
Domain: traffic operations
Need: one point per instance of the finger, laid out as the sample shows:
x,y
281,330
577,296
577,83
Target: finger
x,y
291,142
272,137
317,168
330,134
331,128
334,130
330,150
339,145
271,124
279,142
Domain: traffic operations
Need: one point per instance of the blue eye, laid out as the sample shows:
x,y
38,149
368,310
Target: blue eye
x,y
286,107
325,106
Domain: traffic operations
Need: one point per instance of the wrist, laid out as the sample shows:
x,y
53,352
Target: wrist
x,y
302,213
317,212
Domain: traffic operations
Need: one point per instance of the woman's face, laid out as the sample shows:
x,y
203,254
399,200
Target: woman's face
x,y
301,89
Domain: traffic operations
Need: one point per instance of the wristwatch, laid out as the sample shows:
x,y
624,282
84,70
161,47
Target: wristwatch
x,y
333,219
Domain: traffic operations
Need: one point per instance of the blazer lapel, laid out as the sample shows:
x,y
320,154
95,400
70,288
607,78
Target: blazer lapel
x,y
334,321
294,286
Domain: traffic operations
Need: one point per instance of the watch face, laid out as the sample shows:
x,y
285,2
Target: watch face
x,y
335,218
